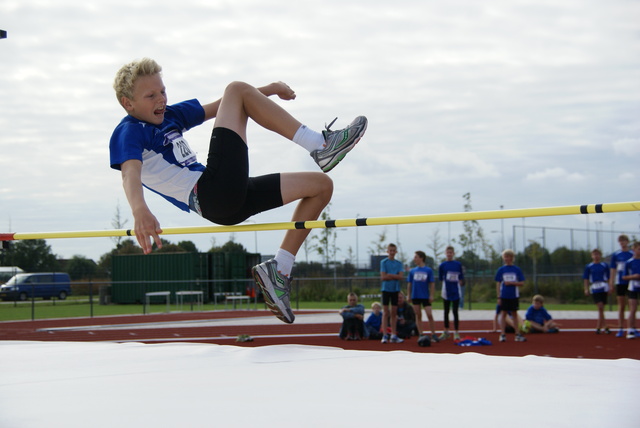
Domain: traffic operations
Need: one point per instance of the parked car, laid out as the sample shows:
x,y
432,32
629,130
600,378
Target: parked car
x,y
23,286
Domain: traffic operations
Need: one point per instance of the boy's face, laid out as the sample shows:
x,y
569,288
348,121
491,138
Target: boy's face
x,y
449,254
508,259
596,256
391,252
352,300
417,260
537,304
636,251
149,100
624,244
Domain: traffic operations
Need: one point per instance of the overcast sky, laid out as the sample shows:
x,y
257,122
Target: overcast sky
x,y
521,103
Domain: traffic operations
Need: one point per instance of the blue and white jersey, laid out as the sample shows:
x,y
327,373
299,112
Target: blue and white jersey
x,y
509,273
618,260
420,278
169,165
598,276
393,267
633,267
450,273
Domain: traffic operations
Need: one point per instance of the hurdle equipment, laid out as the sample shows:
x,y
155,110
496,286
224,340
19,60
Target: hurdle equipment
x,y
604,208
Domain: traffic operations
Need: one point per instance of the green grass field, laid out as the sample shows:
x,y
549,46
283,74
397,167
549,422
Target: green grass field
x,y
79,307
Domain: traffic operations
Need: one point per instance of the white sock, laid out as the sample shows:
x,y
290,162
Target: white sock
x,y
309,139
285,261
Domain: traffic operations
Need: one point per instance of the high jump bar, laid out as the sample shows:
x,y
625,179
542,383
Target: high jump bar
x,y
322,224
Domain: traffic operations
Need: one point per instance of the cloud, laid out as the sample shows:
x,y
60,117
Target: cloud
x,y
555,174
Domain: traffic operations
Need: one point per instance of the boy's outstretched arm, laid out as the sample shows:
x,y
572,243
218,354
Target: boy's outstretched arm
x,y
145,223
281,89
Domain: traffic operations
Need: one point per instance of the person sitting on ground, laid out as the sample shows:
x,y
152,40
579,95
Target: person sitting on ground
x,y
537,319
373,325
406,326
353,319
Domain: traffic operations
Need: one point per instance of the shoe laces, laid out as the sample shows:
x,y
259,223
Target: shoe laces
x,y
327,127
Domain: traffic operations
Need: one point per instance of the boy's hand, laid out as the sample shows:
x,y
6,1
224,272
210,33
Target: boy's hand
x,y
147,226
283,91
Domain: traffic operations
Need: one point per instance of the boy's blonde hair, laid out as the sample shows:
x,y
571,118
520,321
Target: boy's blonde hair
x,y
508,252
374,304
538,298
128,74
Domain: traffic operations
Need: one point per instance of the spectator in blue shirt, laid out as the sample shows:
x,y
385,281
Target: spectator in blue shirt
x,y
537,319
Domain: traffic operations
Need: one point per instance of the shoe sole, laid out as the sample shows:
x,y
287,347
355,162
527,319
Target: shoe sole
x,y
273,306
342,155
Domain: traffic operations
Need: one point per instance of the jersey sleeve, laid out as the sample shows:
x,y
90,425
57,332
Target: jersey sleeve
x,y
126,143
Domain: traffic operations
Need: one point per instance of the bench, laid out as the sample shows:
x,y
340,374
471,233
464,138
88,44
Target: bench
x,y
236,299
165,294
180,298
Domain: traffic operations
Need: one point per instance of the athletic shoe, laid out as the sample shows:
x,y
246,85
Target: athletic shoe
x,y
385,338
434,338
553,330
275,288
444,336
620,333
520,338
503,338
632,334
456,336
396,339
606,330
339,143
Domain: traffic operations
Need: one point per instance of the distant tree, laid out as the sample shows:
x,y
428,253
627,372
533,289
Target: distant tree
x,y
473,239
229,247
436,245
80,267
188,246
168,247
379,246
326,246
118,223
32,255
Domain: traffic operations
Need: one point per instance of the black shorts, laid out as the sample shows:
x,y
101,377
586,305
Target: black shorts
x,y
599,297
621,289
226,193
389,297
633,295
509,304
423,302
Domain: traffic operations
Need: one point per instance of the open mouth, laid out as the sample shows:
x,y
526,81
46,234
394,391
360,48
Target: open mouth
x,y
159,111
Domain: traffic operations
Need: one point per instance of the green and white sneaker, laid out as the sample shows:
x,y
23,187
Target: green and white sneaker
x,y
339,143
275,289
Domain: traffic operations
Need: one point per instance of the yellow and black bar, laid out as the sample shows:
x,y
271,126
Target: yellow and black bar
x,y
355,222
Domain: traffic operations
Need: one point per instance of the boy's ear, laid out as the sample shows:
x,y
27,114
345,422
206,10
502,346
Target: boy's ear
x,y
126,103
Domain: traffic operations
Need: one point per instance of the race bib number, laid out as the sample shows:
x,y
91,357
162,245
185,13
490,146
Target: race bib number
x,y
634,285
420,276
452,276
600,287
181,150
620,266
509,277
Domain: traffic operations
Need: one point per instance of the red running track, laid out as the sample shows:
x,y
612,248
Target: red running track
x,y
577,338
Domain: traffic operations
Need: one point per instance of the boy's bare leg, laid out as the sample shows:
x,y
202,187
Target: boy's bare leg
x,y
314,190
242,101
